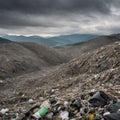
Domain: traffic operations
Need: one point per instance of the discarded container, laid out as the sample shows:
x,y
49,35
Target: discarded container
x,y
44,109
41,113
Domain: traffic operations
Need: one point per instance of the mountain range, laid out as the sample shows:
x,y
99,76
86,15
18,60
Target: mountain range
x,y
3,40
79,48
56,41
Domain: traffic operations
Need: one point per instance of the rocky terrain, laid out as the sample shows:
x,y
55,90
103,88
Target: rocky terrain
x,y
19,58
77,49
94,70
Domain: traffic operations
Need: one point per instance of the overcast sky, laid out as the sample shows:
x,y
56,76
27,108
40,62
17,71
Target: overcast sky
x,y
56,17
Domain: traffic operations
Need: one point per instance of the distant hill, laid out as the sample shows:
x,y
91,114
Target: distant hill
x,y
72,39
20,58
53,41
33,39
3,40
79,48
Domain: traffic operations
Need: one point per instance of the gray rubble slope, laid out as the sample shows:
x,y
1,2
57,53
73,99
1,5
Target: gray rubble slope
x,y
80,48
99,66
93,71
94,62
18,58
96,68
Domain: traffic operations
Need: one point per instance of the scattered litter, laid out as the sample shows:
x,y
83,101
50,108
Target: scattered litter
x,y
4,110
44,108
112,116
106,113
113,108
91,106
64,115
30,101
99,99
91,117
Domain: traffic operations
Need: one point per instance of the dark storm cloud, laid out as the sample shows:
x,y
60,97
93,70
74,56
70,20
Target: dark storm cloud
x,y
13,20
54,6
12,11
53,13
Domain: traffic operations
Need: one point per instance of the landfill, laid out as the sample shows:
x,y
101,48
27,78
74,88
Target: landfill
x,y
96,105
84,89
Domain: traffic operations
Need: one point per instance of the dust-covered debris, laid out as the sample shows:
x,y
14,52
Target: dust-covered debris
x,y
71,86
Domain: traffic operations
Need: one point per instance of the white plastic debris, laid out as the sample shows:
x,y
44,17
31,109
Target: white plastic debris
x,y
46,104
118,100
106,113
82,111
93,90
30,101
64,115
1,81
65,103
118,110
118,92
37,115
49,115
59,108
4,110
54,90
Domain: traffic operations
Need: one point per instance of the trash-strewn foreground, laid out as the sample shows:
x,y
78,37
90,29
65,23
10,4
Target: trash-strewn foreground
x,y
86,88
96,105
92,106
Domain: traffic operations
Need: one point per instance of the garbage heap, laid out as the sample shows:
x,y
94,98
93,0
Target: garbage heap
x,y
92,106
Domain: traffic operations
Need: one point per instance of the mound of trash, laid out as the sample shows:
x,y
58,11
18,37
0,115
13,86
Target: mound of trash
x,y
86,88
92,106
105,58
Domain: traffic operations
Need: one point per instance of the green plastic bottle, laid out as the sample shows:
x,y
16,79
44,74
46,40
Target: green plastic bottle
x,y
43,111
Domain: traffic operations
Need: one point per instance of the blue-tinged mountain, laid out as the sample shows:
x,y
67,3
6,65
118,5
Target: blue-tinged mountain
x,y
64,40
61,40
3,40
77,49
34,39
